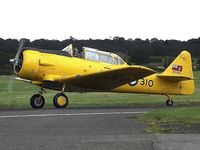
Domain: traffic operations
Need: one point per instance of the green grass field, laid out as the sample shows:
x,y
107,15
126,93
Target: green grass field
x,y
175,120
22,91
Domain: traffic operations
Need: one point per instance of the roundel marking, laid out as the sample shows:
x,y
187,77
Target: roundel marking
x,y
133,83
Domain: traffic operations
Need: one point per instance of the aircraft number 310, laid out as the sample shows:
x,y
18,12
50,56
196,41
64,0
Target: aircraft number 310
x,y
147,82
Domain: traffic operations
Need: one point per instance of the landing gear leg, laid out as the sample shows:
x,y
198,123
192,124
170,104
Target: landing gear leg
x,y
169,101
37,100
60,100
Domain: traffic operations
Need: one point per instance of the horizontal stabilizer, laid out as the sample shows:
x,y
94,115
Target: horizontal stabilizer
x,y
174,78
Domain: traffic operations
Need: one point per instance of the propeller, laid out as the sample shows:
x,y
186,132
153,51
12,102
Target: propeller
x,y
16,61
17,64
10,87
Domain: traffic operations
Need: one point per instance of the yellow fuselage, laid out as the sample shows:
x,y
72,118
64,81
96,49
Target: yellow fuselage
x,y
40,67
155,85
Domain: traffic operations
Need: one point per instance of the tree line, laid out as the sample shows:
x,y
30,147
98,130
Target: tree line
x,y
135,51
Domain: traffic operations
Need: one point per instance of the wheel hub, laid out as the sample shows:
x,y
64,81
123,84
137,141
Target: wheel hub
x,y
38,101
61,100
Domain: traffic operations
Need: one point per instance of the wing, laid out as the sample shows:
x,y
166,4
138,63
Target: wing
x,y
105,80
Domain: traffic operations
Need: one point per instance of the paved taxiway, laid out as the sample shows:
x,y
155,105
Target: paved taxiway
x,y
84,129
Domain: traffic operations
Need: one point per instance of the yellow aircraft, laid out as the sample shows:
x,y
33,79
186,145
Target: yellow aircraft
x,y
95,70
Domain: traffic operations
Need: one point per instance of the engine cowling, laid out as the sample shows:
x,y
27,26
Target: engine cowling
x,y
28,65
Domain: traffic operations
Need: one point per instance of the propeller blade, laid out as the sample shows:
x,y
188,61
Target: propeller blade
x,y
10,87
20,48
15,62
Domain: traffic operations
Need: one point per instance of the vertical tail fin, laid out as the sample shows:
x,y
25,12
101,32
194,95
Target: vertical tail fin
x,y
180,73
180,69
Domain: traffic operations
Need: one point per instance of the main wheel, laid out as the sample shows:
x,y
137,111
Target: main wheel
x,y
60,100
37,101
169,102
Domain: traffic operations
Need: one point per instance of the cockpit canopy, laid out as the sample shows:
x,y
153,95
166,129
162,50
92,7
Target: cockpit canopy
x,y
101,56
94,55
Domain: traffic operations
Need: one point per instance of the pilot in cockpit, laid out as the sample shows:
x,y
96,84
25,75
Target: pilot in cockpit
x,y
72,50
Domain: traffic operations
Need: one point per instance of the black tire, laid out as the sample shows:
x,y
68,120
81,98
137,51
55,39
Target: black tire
x,y
60,100
37,101
169,102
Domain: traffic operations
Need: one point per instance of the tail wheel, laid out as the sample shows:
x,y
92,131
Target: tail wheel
x,y
169,102
60,100
37,101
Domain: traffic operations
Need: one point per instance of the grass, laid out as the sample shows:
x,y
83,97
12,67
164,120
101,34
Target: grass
x,y
172,120
22,91
191,115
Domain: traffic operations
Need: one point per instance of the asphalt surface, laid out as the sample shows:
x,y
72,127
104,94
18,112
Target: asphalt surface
x,y
84,129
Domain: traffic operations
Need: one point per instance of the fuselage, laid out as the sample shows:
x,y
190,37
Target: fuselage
x,y
42,67
155,85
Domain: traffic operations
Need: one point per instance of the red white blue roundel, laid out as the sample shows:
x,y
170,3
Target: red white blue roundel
x,y
133,83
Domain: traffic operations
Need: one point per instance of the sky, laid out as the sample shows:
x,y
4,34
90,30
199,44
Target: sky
x,y
100,19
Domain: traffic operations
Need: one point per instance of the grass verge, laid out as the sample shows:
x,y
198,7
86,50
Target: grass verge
x,y
175,120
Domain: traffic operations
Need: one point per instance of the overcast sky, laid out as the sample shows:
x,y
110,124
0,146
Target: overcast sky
x,y
100,19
